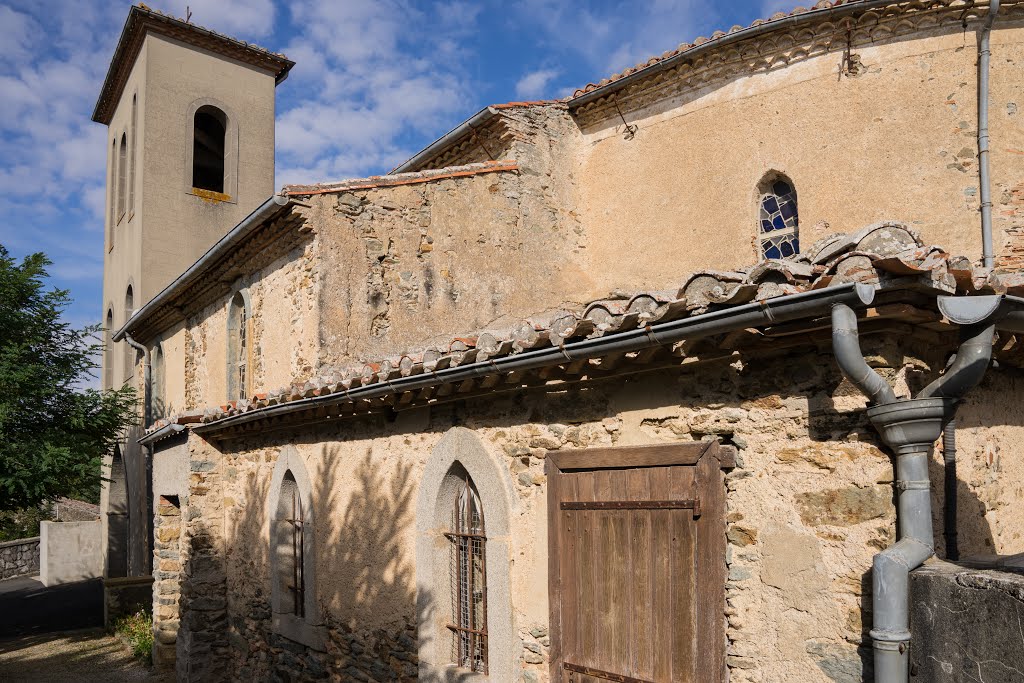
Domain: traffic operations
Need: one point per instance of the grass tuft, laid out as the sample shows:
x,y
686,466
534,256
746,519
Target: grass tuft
x,y
137,630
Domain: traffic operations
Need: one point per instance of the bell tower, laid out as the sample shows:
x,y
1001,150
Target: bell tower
x,y
190,153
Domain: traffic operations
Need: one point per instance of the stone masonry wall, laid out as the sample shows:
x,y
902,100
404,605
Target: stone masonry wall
x,y
809,505
19,558
166,579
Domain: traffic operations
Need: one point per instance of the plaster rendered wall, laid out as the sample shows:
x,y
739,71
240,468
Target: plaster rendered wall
x,y
180,226
69,551
173,343
898,140
283,342
400,265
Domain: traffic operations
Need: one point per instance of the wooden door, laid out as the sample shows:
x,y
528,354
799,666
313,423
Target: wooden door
x,y
637,564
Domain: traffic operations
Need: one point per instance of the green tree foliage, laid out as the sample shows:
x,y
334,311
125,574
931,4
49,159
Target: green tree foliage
x,y
53,434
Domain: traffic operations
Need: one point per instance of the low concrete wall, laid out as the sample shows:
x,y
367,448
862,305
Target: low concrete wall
x,y
966,624
69,551
19,558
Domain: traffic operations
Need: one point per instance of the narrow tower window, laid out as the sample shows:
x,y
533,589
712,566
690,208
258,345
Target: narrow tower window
x,y
112,192
778,219
238,343
135,157
209,128
469,581
122,174
129,352
108,351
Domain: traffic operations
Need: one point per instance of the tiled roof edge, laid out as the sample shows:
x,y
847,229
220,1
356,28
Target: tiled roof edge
x,y
142,18
886,255
379,181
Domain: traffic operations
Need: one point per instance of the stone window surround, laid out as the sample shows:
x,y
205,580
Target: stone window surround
x,y
230,194
438,485
308,630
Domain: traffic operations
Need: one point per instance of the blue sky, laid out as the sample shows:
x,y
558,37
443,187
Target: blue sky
x,y
374,82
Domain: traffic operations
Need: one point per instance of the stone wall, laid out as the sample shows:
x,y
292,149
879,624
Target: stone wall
x,y
19,558
809,505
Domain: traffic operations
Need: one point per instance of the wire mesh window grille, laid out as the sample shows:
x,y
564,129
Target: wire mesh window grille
x,y
238,351
294,581
469,582
779,220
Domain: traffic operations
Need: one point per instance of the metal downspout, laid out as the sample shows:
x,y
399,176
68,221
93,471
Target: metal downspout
x,y
147,417
909,427
949,512
984,58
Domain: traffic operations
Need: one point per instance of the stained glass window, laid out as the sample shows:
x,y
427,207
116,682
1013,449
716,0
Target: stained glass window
x,y
779,220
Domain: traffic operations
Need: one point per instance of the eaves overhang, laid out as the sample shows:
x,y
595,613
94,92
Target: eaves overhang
x,y
773,311
142,20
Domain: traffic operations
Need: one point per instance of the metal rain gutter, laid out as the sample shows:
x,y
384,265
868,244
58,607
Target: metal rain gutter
x,y
147,379
195,271
767,312
478,119
163,433
728,39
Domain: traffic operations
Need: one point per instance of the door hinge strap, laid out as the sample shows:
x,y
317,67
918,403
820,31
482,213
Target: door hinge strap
x,y
693,504
605,675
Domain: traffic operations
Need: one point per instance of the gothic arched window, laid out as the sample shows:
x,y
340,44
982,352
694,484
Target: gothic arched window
x,y
294,607
158,401
289,547
238,346
469,581
778,220
209,128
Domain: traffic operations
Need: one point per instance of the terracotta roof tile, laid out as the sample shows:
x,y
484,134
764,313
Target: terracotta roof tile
x,y
883,254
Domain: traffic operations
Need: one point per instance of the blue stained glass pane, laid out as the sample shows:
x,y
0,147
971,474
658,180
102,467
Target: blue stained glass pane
x,y
788,210
766,226
770,204
779,223
787,249
781,187
770,250
796,245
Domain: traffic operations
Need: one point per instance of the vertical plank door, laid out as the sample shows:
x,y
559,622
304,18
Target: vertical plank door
x,y
637,564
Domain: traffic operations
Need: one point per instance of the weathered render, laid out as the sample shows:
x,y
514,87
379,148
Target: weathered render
x,y
556,277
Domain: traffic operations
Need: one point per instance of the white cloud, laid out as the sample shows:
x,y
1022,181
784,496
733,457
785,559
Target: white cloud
x,y
770,7
244,19
534,85
372,73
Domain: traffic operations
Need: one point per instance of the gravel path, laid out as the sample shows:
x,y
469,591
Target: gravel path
x,y
85,656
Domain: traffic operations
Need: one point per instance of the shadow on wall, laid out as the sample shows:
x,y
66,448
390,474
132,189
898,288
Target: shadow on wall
x,y
362,574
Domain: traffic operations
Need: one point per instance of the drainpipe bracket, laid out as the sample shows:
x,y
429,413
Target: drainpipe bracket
x,y
889,640
921,485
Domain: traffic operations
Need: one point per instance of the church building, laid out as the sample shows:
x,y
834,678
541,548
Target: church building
x,y
710,371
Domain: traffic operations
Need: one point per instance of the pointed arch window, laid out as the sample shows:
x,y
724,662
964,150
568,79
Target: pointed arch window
x,y
294,606
108,351
122,174
129,352
778,219
469,581
239,313
208,138
158,402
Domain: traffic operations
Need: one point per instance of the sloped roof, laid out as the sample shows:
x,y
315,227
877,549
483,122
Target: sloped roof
x,y
886,255
142,19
